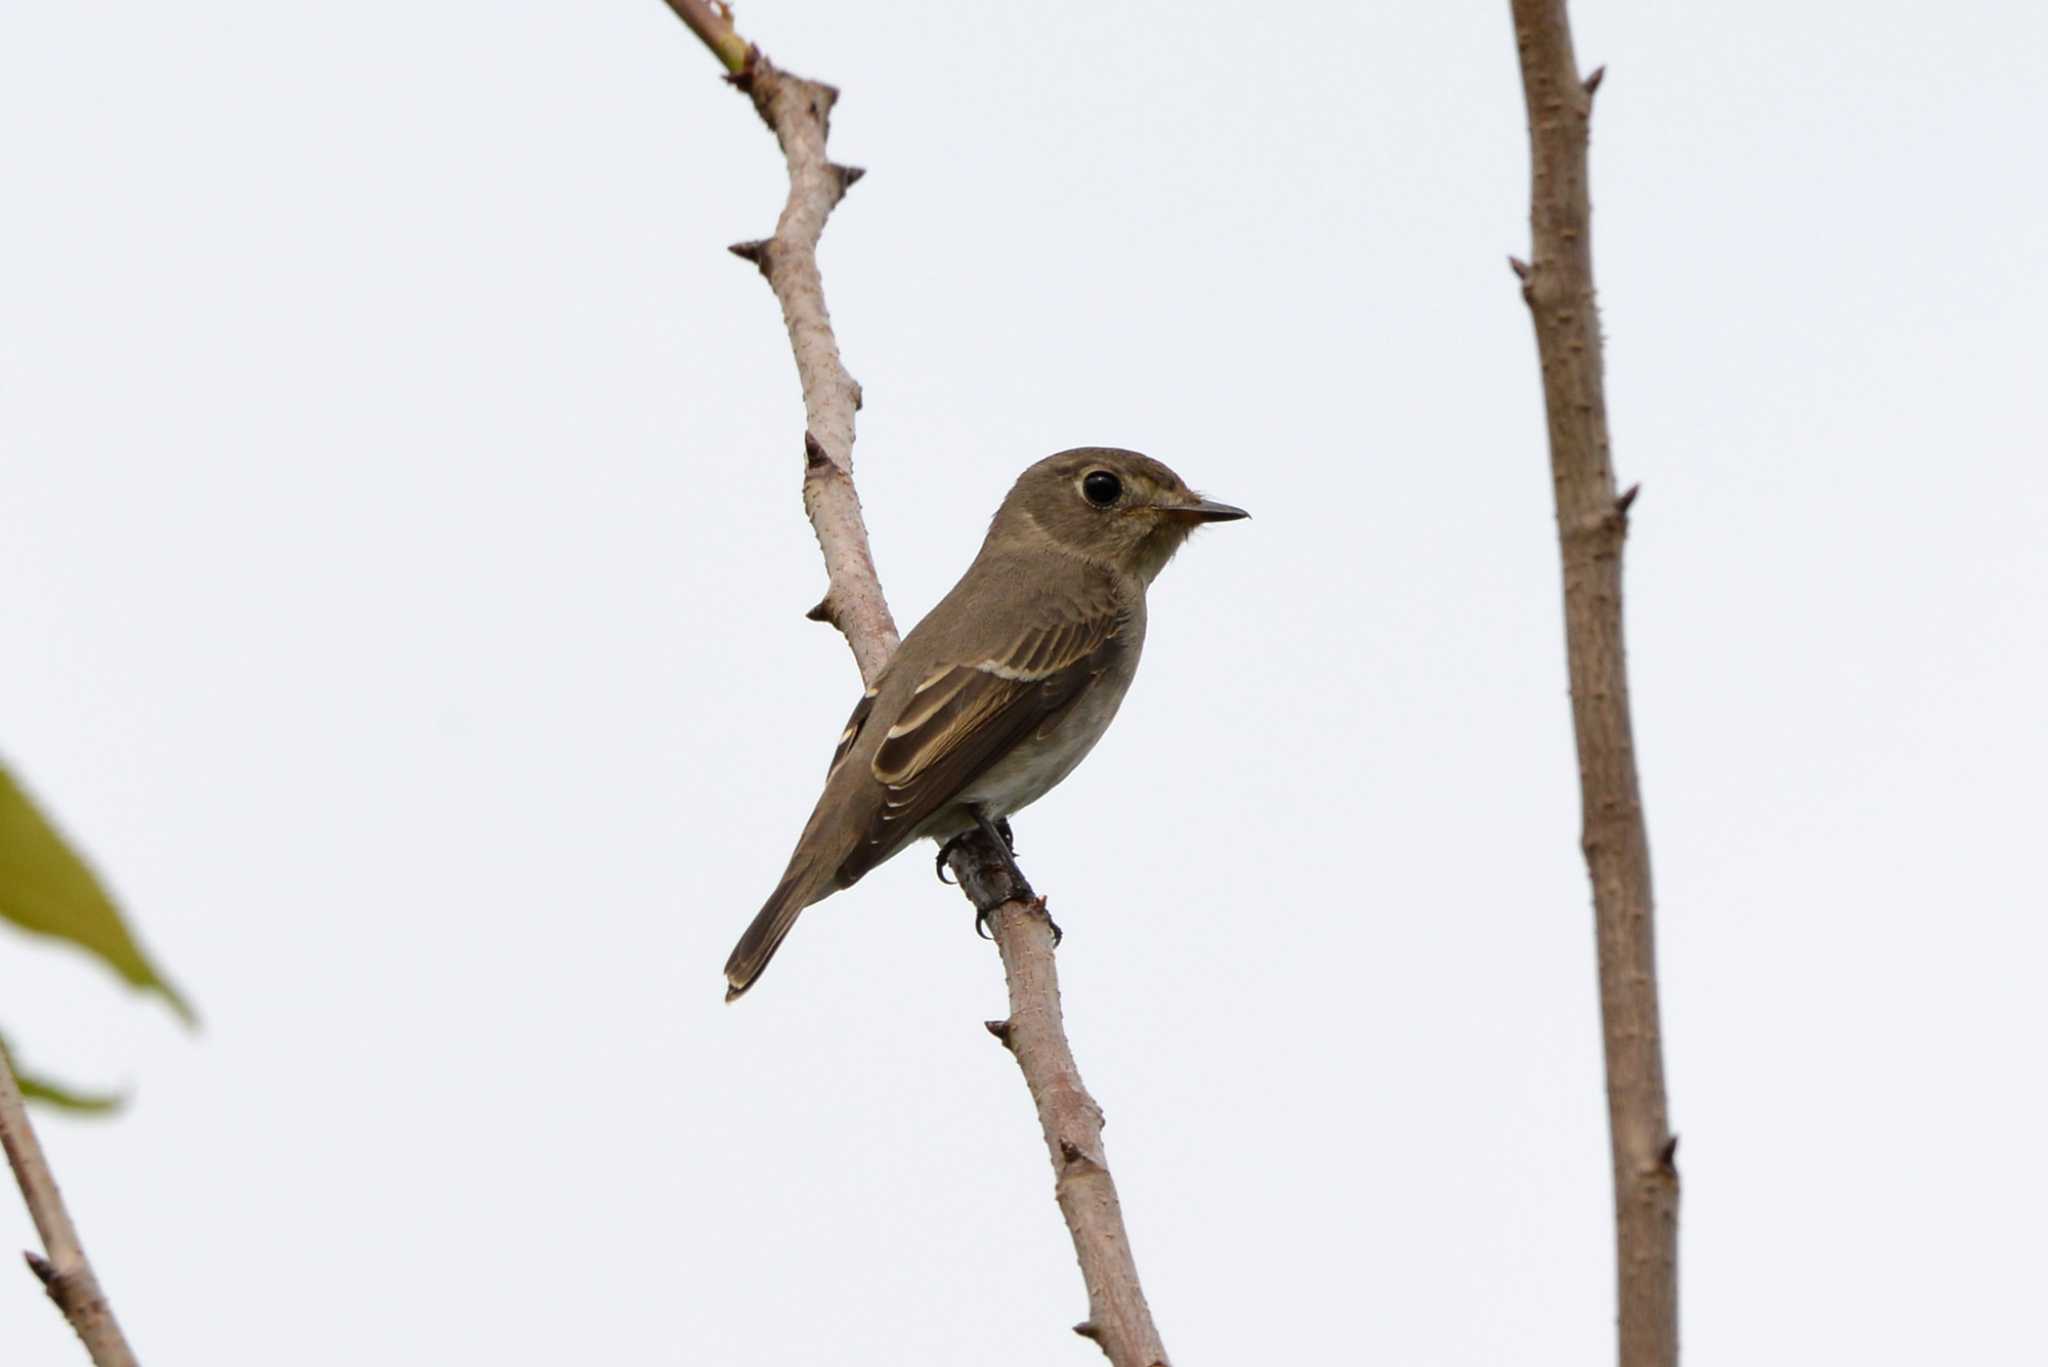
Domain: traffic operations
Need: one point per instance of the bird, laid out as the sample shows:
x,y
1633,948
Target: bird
x,y
1005,685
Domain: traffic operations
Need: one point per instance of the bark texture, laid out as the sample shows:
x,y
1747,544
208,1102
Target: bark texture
x,y
1592,524
65,1273
798,111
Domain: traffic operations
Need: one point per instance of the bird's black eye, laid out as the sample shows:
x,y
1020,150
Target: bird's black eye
x,y
1101,488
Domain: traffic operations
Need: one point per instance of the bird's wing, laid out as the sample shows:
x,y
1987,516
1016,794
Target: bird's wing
x,y
852,732
963,717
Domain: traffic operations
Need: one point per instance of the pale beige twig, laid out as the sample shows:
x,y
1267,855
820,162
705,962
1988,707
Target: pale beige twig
x,y
62,1267
799,113
1119,1320
1592,520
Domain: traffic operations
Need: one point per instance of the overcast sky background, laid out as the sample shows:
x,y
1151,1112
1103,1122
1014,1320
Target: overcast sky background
x,y
401,588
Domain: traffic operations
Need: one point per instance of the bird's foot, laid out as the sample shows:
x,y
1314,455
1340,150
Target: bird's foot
x,y
996,830
1004,840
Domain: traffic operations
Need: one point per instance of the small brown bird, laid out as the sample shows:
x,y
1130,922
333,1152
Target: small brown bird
x,y
1004,687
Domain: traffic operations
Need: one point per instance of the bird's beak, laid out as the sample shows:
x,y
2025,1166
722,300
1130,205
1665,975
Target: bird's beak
x,y
1204,511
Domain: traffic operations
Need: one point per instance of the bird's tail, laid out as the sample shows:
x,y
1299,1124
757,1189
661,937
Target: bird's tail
x,y
797,890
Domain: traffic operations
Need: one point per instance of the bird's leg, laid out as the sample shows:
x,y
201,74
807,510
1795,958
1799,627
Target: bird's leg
x,y
998,833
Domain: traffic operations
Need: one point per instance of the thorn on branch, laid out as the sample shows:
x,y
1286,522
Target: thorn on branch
x,y
823,612
1628,497
1087,1330
814,453
1592,82
849,176
859,398
756,252
1667,1157
1001,1030
40,1265
1527,275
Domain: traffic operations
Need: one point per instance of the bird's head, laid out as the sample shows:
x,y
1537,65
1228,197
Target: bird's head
x,y
1115,507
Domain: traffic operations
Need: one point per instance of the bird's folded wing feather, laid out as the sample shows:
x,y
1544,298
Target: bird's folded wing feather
x,y
964,717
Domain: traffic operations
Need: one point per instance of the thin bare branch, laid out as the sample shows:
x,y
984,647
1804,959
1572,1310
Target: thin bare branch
x,y
1119,1321
799,113
64,1271
711,20
1592,522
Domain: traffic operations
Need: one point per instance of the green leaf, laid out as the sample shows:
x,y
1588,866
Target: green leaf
x,y
41,1089
46,888
52,1094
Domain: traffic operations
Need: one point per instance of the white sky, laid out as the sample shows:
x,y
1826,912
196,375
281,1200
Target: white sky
x,y
401,590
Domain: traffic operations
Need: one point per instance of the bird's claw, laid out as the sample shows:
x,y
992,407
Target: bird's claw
x,y
946,849
981,916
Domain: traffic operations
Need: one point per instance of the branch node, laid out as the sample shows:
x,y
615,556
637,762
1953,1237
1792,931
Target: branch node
x,y
743,79
1592,81
1073,1155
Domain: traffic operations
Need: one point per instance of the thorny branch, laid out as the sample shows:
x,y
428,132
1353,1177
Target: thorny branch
x,y
798,111
64,1272
1592,522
